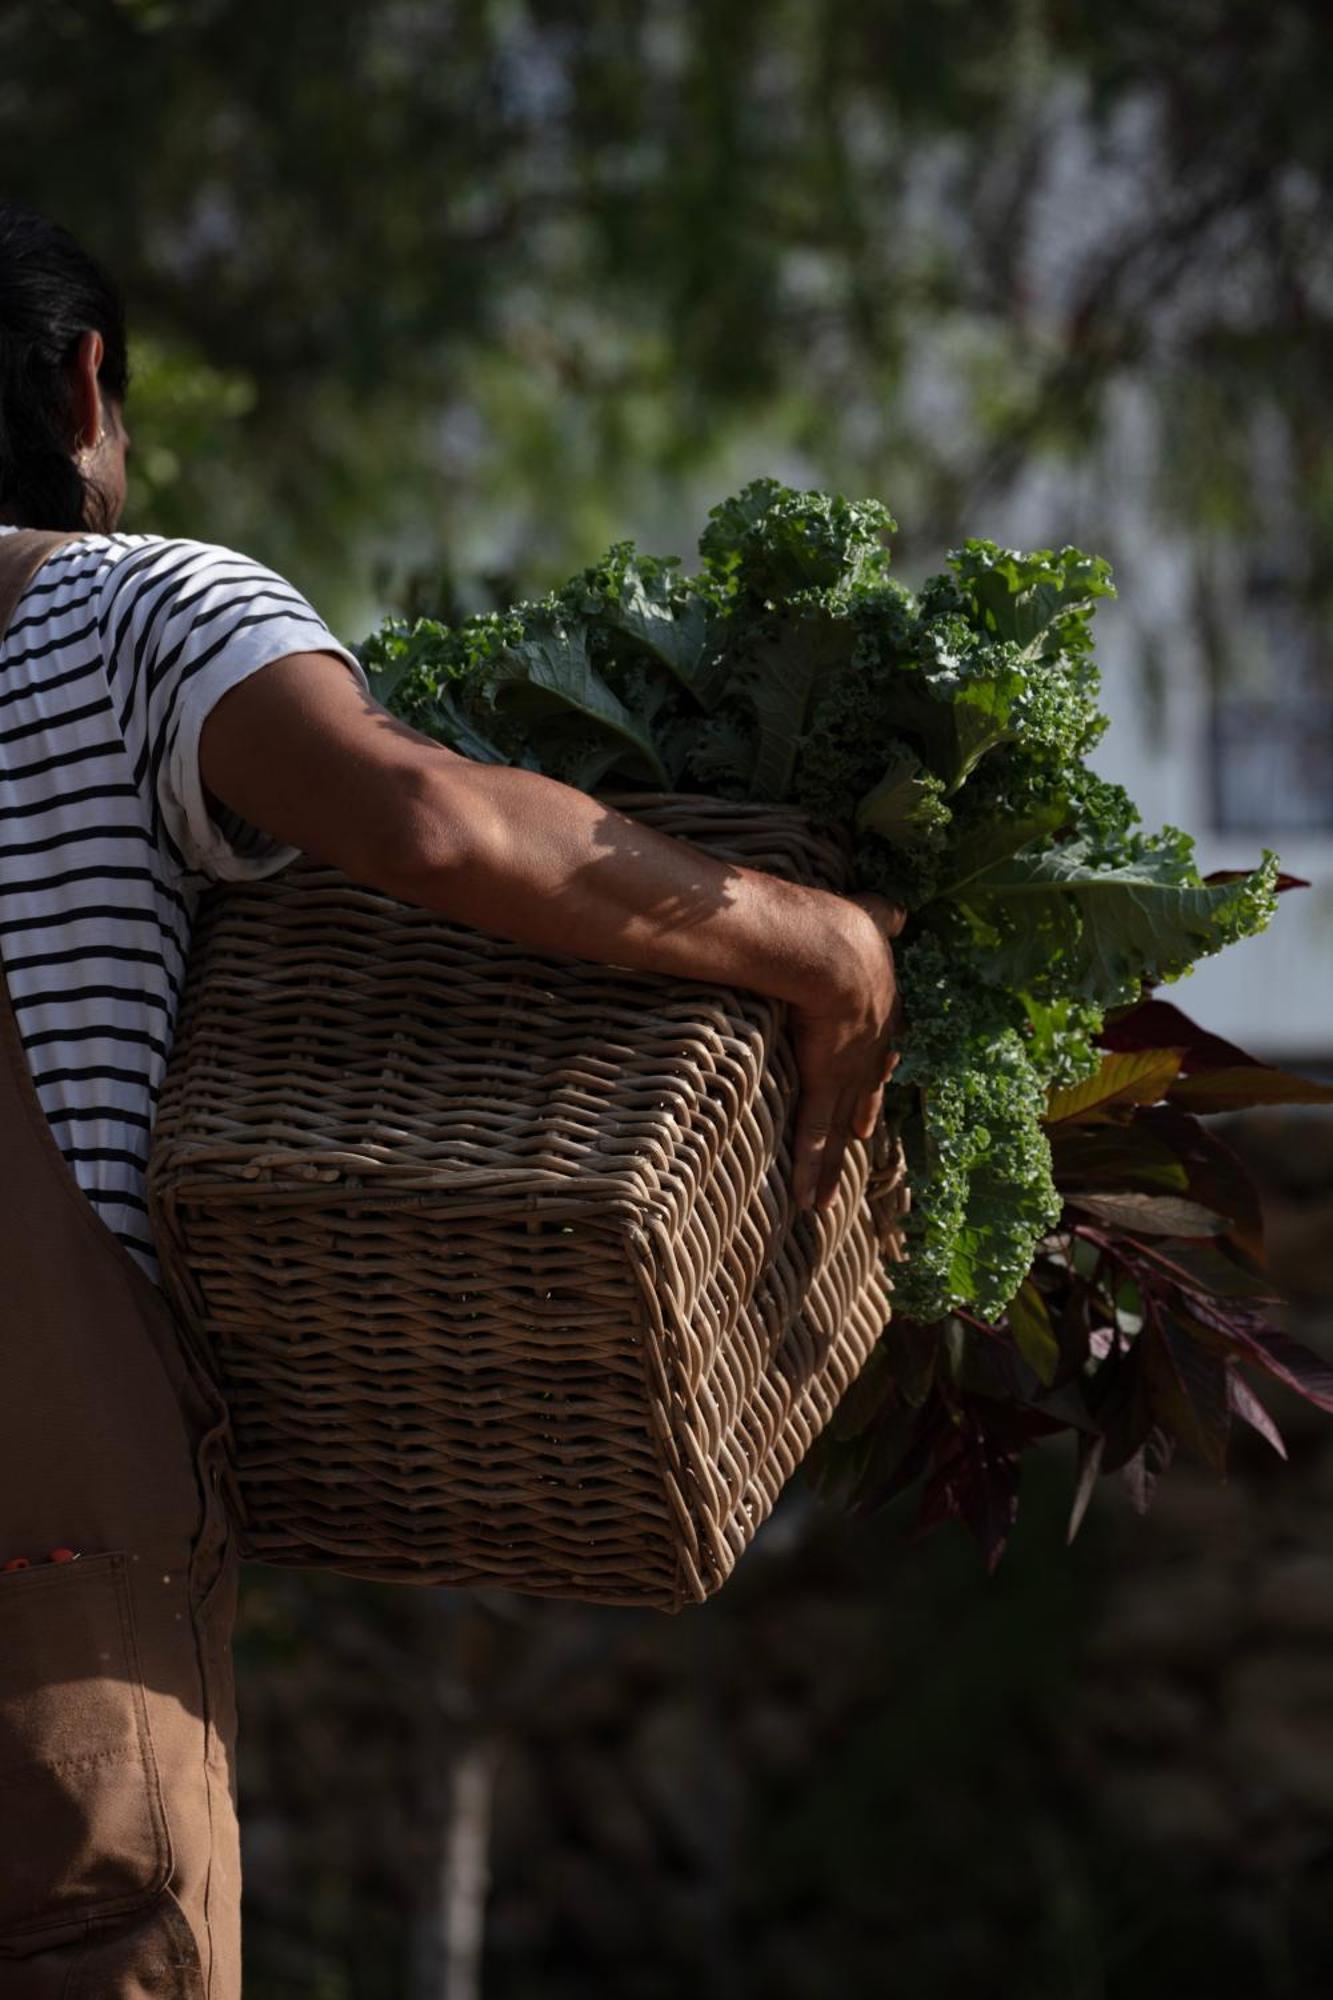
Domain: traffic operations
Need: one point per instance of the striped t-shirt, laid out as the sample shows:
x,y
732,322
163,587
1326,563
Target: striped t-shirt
x,y
117,651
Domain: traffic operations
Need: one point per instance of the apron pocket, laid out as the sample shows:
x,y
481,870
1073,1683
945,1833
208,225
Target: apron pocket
x,y
83,1831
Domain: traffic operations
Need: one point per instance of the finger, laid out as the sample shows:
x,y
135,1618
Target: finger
x,y
890,1055
867,1112
830,1167
814,1127
870,1103
834,1153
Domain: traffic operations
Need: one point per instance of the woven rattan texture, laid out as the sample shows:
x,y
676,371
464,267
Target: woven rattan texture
x,y
494,1255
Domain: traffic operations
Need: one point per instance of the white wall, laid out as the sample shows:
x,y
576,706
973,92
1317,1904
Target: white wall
x,y
1272,994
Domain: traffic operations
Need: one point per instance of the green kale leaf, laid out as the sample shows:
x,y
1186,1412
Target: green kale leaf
x,y
1052,921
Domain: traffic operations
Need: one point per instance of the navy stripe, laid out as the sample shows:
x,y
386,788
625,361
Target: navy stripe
x,y
284,599
68,996
94,1073
53,681
196,557
70,1113
119,790
102,1033
60,644
97,872
129,1199
113,650
121,577
43,613
120,1154
164,667
63,757
82,954
46,725
71,836
100,912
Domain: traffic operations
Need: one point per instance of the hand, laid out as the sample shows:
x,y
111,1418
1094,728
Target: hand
x,y
844,1051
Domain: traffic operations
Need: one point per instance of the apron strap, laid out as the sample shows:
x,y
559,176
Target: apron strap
x,y
21,556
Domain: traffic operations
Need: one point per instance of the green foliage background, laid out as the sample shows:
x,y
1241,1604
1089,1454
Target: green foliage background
x,y
404,272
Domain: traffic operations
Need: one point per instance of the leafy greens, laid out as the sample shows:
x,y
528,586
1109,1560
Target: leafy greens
x,y
949,729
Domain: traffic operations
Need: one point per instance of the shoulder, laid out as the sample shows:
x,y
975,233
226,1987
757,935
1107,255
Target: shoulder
x,y
160,575
160,555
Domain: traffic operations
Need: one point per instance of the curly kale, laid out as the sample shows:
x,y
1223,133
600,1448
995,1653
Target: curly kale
x,y
949,731
976,1153
771,543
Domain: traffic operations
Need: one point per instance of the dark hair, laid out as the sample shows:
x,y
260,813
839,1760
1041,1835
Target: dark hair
x,y
51,293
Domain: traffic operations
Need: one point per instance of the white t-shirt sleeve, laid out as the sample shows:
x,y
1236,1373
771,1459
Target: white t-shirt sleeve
x,y
182,622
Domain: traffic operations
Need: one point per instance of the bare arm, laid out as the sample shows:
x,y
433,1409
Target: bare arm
x,y
304,754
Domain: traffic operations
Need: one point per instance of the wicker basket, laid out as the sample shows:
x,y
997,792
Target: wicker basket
x,y
494,1256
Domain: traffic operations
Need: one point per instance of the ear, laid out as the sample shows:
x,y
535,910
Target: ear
x,y
85,399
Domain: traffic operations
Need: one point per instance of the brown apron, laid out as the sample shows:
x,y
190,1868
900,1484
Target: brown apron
x,y
119,1857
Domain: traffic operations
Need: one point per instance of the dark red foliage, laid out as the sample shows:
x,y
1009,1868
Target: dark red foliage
x,y
1138,1328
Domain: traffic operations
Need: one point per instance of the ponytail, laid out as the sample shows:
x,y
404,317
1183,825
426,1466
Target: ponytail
x,y
51,293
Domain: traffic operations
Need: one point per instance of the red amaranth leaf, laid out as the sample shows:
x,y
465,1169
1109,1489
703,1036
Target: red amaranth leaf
x,y
1198,1269
1214,1174
1239,1088
1118,1397
1151,1214
975,1479
1251,1411
1146,1467
1286,1359
1090,1453
1032,1329
1156,1024
1139,1076
1215,1075
1187,1391
1117,1159
1221,876
1241,1331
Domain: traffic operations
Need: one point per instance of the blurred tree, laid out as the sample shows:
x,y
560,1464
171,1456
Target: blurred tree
x,y
455,259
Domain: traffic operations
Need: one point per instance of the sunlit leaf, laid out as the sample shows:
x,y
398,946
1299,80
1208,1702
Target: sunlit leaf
x,y
1246,1405
1140,1077
1091,1451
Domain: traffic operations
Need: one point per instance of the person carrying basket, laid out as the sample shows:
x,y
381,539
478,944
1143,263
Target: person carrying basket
x,y
174,714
